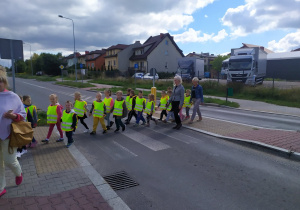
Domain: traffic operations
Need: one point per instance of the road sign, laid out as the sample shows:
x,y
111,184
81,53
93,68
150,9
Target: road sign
x,y
61,67
81,66
152,71
136,66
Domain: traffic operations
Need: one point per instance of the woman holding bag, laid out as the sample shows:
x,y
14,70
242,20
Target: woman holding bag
x,y
11,109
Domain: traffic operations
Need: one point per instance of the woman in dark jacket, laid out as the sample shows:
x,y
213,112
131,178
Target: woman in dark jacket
x,y
177,99
196,98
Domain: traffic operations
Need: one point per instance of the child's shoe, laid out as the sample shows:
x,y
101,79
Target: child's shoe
x,y
123,128
3,192
165,121
69,144
187,117
59,140
45,141
105,131
116,130
19,179
24,151
111,123
93,133
18,154
144,123
136,125
86,131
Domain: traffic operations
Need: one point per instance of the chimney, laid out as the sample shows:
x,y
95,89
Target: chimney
x,y
161,35
262,48
87,52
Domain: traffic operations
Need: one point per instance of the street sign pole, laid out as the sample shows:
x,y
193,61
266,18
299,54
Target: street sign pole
x,y
12,65
61,68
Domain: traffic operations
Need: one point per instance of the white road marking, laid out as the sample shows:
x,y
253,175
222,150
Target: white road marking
x,y
145,140
124,148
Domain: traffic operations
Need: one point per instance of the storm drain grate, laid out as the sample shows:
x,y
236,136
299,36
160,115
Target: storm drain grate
x,y
120,180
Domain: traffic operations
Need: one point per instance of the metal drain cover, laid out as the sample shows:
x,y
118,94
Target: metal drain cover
x,y
120,180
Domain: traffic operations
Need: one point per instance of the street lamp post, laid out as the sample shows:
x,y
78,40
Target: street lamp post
x,y
30,57
74,44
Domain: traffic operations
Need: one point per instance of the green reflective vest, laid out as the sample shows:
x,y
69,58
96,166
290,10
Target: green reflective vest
x,y
163,103
187,101
129,107
107,102
67,121
127,100
98,109
139,104
79,108
148,107
169,107
52,114
118,108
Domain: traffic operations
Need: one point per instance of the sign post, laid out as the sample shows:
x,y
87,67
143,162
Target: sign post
x,y
136,66
61,69
81,72
229,93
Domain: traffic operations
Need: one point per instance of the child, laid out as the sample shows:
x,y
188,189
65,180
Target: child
x,y
80,107
99,112
128,97
163,104
130,107
31,110
109,104
169,108
69,122
54,113
140,104
187,103
150,107
119,111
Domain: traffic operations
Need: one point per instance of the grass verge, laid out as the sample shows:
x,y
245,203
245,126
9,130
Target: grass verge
x,y
42,116
75,84
221,102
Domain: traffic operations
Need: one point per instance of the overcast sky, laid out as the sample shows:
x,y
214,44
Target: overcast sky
x,y
213,26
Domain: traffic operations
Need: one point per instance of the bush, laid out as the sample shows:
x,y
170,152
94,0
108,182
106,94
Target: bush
x,y
165,75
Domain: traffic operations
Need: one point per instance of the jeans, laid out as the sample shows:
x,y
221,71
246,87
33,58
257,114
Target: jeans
x,y
140,117
69,135
118,121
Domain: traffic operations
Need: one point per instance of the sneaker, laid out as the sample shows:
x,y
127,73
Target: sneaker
x,y
24,151
33,144
144,123
45,141
200,118
86,131
116,130
111,123
59,140
136,125
107,127
159,119
105,131
3,192
19,179
187,117
126,123
147,125
18,154
93,133
165,121
69,144
123,129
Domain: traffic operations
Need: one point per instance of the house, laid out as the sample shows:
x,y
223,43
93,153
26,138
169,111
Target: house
x,y
96,59
113,56
70,59
81,58
159,52
205,56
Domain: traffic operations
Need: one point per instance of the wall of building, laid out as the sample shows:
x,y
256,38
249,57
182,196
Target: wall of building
x,y
124,55
164,57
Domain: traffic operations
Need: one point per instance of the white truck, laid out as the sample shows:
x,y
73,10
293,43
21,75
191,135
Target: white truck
x,y
190,67
247,65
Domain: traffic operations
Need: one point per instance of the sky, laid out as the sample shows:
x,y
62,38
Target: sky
x,y
213,26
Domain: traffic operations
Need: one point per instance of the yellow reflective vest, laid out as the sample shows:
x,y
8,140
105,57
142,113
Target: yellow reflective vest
x,y
163,103
129,107
118,108
169,107
127,100
79,108
52,114
186,102
148,107
107,102
139,104
98,109
67,121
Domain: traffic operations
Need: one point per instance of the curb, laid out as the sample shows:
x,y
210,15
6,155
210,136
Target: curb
x,y
284,152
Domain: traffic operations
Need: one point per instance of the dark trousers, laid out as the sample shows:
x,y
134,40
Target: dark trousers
x,y
149,117
163,112
69,135
118,121
82,122
130,114
187,111
175,109
140,117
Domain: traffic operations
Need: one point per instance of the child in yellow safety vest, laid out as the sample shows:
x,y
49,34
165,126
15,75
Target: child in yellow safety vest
x,y
32,112
127,99
163,104
69,122
140,104
119,111
80,107
169,109
99,113
150,109
54,114
109,103
130,107
187,103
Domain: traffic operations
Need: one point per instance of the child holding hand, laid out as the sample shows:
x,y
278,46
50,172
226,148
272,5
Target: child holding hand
x,y
80,107
99,112
119,111
140,104
69,122
187,103
150,108
109,103
163,104
54,114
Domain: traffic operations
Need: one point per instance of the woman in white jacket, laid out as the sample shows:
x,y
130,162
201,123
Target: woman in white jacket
x,y
11,109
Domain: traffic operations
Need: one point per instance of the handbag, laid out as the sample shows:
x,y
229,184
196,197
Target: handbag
x,y
21,134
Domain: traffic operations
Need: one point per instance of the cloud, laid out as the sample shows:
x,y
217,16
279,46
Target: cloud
x,y
290,42
98,23
195,36
205,16
258,16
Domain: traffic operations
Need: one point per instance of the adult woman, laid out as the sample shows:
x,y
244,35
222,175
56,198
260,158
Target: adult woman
x,y
196,98
177,99
11,109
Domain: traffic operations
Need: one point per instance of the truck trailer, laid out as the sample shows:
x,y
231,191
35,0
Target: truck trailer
x,y
190,67
247,65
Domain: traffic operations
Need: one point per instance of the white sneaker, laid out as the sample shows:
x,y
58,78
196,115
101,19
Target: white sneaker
x,y
86,131
24,151
18,154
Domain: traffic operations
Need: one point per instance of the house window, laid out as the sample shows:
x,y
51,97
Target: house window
x,y
93,65
114,62
167,42
142,65
108,63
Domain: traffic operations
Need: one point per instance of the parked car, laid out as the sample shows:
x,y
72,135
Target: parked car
x,y
148,77
138,75
39,73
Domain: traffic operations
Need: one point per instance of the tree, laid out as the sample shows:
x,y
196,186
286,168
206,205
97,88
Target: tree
x,y
217,63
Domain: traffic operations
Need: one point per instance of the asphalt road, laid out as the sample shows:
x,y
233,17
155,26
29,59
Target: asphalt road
x,y
181,169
